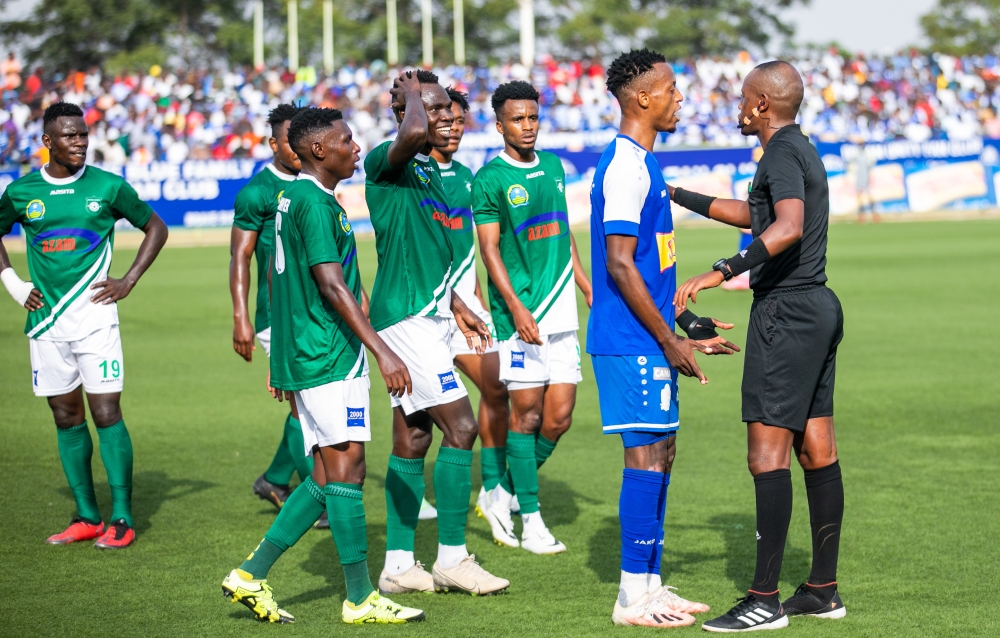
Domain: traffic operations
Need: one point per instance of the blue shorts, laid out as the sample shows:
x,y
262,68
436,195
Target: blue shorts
x,y
637,394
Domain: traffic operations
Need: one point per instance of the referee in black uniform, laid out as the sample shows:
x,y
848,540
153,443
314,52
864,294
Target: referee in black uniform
x,y
796,324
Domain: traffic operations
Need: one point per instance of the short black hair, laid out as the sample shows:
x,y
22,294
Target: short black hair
x,y
459,98
308,121
426,77
628,67
516,90
60,109
282,113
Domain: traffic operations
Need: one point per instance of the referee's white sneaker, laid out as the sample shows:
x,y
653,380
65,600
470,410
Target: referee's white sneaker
x,y
536,537
497,514
749,614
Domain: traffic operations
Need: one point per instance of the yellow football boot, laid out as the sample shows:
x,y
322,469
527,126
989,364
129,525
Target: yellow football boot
x,y
255,595
379,609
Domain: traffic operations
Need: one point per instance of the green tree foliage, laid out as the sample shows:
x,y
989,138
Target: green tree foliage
x,y
963,27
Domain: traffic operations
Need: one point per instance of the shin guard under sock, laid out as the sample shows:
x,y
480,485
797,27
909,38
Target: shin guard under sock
x,y
774,511
661,515
543,449
116,454
523,470
637,512
825,490
404,491
452,487
282,465
300,511
75,451
493,463
346,511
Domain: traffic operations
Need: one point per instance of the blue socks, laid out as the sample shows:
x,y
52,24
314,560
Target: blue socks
x,y
640,511
661,515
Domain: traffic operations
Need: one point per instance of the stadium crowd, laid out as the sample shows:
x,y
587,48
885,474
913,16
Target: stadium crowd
x,y
177,115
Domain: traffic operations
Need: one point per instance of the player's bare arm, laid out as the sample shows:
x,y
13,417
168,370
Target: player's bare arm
x,y
112,290
413,128
22,290
779,236
477,333
242,244
621,267
489,249
580,275
331,284
366,303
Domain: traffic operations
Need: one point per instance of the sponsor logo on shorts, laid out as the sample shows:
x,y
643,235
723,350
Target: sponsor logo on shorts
x,y
355,417
517,195
516,359
35,210
448,381
93,204
641,361
661,374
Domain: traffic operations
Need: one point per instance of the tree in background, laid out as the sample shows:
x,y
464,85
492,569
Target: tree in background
x,y
963,27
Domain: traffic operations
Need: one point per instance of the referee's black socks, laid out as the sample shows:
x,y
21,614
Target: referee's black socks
x,y
825,489
774,511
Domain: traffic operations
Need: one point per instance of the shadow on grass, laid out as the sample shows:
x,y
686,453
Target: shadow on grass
x,y
324,561
739,533
150,490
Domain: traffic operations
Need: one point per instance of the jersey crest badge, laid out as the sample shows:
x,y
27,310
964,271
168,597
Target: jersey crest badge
x,y
665,246
421,175
93,204
517,195
559,185
35,210
345,223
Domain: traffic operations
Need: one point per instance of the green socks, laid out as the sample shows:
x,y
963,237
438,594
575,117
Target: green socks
x,y
452,487
301,510
75,451
493,461
523,470
346,512
543,449
116,454
404,490
296,446
283,464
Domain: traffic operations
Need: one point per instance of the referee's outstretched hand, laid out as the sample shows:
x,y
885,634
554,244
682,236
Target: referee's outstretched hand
x,y
691,287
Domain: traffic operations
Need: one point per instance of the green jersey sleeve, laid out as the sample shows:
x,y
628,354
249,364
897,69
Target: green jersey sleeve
x,y
247,208
8,214
128,205
316,227
485,200
377,166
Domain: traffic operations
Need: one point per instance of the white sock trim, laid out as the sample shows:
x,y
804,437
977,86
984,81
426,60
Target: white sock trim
x,y
653,582
398,561
634,586
451,555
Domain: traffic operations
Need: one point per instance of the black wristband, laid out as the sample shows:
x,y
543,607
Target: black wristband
x,y
754,255
695,327
695,202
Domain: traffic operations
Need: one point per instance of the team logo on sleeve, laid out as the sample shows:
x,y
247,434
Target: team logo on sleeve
x,y
345,223
448,381
559,185
35,210
517,195
516,359
355,417
93,204
665,246
421,174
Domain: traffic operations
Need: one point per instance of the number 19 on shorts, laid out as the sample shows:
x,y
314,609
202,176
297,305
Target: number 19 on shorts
x,y
110,369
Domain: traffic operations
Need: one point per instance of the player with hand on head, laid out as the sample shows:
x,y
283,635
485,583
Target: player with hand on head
x,y
796,324
412,308
68,212
519,204
635,351
483,370
319,334
253,236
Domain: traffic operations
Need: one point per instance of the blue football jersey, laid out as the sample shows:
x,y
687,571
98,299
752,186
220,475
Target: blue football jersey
x,y
629,197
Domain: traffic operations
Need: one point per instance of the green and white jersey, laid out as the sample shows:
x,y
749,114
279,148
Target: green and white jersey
x,y
409,211
529,203
311,345
457,180
69,228
256,204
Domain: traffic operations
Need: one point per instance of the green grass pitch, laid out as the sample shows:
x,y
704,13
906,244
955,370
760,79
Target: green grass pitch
x,y
917,418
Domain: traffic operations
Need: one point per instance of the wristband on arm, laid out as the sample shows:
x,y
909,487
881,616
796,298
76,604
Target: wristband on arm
x,y
754,255
19,290
694,202
695,327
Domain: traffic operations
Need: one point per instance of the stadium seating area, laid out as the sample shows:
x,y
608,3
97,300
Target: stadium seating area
x,y
175,115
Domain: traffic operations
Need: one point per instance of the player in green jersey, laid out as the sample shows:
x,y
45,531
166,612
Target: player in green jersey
x,y
253,236
520,212
412,307
484,370
68,212
319,334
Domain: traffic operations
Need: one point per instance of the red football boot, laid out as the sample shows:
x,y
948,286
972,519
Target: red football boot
x,y
118,536
78,530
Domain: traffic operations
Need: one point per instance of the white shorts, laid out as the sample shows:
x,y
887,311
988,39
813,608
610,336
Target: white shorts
x,y
424,345
524,365
335,412
57,367
264,337
459,345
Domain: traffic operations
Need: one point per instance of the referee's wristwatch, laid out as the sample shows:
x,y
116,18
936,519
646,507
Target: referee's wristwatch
x,y
723,266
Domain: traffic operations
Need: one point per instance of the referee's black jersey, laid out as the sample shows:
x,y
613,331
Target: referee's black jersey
x,y
791,169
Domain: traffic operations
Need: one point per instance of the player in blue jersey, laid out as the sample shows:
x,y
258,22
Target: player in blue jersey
x,y
636,354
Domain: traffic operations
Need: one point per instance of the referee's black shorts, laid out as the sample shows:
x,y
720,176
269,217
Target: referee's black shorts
x,y
791,356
